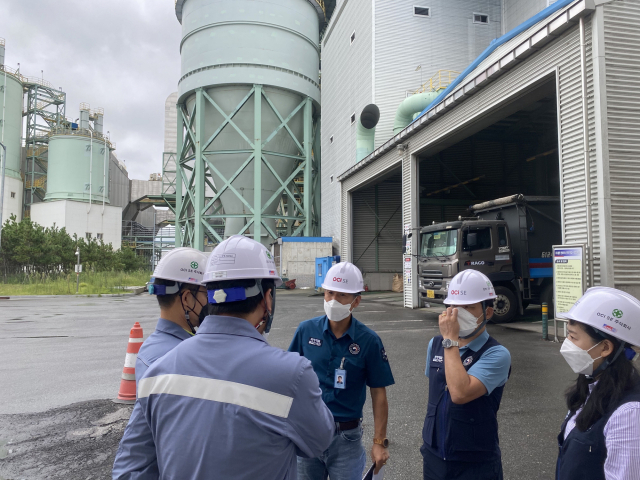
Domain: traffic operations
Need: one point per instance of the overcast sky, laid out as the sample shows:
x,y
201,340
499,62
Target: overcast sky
x,y
121,55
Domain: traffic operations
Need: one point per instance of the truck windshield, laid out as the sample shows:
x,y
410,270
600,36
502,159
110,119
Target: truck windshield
x,y
442,243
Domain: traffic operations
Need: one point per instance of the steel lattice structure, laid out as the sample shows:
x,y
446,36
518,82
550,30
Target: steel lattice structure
x,y
197,198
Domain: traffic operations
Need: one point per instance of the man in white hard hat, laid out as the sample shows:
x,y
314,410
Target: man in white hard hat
x,y
347,356
226,404
177,283
467,371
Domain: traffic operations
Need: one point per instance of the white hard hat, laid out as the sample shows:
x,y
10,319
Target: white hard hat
x,y
610,311
344,277
181,265
469,287
239,257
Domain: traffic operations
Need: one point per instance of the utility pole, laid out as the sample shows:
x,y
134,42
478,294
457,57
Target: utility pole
x,y
4,164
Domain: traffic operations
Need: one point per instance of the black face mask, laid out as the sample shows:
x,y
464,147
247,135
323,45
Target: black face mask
x,y
204,311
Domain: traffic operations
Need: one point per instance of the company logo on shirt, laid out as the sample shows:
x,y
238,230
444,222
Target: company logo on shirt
x,y
354,349
316,342
438,359
467,361
384,355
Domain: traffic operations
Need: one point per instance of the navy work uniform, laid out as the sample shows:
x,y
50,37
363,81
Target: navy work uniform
x,y
345,367
167,336
461,441
225,405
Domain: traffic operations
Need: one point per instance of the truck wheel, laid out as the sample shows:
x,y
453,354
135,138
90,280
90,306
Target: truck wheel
x,y
505,306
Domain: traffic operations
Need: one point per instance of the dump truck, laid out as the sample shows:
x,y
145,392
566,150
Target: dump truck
x,y
508,239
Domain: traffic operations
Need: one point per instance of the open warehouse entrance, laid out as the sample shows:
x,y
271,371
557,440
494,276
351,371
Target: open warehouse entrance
x,y
377,230
518,153
514,152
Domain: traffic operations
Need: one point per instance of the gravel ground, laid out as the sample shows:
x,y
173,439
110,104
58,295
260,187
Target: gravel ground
x,y
77,442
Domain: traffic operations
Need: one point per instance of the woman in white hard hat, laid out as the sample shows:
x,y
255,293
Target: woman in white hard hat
x,y
467,370
600,437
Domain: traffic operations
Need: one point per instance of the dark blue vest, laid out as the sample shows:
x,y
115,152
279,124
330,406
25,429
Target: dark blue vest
x,y
465,433
582,454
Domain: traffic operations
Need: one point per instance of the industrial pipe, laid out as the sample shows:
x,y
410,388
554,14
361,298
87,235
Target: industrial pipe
x,y
4,163
90,169
410,107
587,166
104,174
366,131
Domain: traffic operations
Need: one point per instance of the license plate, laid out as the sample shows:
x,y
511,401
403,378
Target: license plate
x,y
431,294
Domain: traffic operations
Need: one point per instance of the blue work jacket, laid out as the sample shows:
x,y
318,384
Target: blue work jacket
x,y
225,404
166,337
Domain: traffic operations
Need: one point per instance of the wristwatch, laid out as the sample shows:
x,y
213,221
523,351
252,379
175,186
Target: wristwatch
x,y
384,442
448,343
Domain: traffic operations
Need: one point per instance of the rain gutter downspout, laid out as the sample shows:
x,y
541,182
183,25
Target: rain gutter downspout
x,y
366,131
585,134
411,106
90,169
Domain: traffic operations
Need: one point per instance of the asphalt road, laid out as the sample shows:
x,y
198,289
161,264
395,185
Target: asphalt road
x,y
57,351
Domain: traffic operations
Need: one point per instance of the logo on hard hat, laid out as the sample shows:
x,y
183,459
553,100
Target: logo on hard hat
x,y
340,280
617,313
194,264
268,255
608,327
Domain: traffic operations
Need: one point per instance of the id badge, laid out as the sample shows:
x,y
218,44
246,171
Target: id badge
x,y
340,379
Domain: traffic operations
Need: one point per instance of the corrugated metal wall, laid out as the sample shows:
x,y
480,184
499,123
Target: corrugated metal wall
x,y
622,44
118,183
346,89
390,44
384,253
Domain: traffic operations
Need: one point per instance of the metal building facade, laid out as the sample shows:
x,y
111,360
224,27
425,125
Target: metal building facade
x,y
549,51
380,66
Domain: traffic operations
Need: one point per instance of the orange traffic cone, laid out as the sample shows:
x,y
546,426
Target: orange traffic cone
x,y
127,392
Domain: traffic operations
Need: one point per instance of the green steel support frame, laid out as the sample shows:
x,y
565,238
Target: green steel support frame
x,y
298,213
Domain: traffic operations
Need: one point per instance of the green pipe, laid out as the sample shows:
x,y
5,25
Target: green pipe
x,y
366,131
410,107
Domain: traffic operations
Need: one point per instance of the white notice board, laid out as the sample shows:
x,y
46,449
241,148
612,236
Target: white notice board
x,y
568,276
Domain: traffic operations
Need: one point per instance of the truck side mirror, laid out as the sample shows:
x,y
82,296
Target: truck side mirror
x,y
472,240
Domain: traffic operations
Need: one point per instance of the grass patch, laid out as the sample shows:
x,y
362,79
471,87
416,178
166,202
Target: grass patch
x,y
90,283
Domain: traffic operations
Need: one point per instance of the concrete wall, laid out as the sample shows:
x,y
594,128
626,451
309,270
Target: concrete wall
x,y
378,281
74,217
12,205
299,260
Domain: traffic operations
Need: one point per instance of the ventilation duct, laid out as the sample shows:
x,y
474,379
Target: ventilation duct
x,y
366,131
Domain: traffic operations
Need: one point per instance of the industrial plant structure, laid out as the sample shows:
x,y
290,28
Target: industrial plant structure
x,y
548,108
248,120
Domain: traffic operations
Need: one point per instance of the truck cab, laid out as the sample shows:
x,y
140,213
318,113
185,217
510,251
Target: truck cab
x,y
509,240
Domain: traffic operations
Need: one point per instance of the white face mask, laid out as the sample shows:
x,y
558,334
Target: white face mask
x,y
578,359
468,322
337,311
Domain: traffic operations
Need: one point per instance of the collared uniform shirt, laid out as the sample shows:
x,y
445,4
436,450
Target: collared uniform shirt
x,y
492,369
167,336
365,361
225,404
622,435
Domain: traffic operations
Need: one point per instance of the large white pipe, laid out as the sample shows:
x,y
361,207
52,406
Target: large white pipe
x,y
104,174
90,169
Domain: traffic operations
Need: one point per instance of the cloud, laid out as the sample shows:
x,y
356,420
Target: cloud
x,y
121,55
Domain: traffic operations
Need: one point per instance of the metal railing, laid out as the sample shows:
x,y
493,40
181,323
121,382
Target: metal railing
x,y
81,132
441,80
